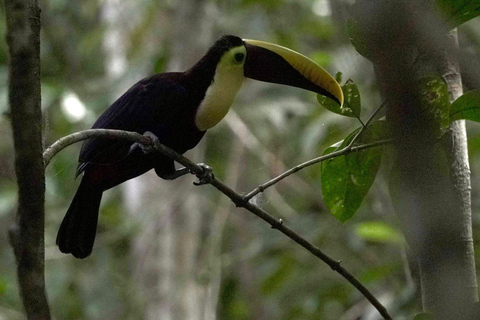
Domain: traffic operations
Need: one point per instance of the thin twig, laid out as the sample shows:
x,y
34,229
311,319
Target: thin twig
x,y
342,152
348,148
236,198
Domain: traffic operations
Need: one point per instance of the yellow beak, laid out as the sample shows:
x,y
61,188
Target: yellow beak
x,y
273,63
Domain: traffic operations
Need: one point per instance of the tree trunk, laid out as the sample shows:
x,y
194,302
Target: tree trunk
x,y
27,234
429,180
462,269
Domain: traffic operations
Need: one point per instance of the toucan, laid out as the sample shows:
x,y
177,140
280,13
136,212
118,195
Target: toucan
x,y
177,108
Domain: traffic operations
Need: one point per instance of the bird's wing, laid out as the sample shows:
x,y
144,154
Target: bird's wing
x,y
146,106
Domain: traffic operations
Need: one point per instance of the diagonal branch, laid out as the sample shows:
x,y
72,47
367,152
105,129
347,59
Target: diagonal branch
x,y
236,198
348,148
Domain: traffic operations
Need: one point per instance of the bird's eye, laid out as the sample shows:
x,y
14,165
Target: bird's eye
x,y
239,57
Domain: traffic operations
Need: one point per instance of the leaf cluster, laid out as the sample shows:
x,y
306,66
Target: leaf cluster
x,y
346,179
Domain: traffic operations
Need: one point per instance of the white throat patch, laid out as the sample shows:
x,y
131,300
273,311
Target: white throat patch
x,y
222,91
218,98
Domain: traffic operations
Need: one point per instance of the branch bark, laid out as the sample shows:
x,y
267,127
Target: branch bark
x,y
27,233
236,198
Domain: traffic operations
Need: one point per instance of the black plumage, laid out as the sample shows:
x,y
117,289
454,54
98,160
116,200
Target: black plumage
x,y
164,104
177,107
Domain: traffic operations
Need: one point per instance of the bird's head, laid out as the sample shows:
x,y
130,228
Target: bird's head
x,y
231,59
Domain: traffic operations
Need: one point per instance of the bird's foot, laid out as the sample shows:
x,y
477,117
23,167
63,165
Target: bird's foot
x,y
206,176
173,175
145,148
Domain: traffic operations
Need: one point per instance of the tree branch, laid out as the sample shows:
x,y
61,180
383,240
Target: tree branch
x,y
348,148
64,142
236,198
27,233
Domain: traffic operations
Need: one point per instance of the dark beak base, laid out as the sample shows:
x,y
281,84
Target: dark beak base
x,y
265,65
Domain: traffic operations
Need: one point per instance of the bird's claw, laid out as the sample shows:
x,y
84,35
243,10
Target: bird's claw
x,y
206,176
145,148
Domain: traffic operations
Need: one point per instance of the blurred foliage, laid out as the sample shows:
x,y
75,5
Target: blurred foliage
x,y
459,11
378,231
264,275
424,316
358,38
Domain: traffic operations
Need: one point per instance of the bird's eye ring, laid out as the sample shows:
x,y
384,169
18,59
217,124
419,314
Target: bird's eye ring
x,y
239,57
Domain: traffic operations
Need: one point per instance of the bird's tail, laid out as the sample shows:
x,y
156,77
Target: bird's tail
x,y
77,231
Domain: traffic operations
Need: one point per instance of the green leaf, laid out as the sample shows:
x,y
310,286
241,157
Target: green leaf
x,y
332,148
378,231
335,183
435,101
459,11
424,316
341,144
351,106
349,138
346,179
466,107
357,37
338,77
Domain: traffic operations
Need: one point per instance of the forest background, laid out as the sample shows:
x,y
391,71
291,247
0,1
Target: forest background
x,y
185,252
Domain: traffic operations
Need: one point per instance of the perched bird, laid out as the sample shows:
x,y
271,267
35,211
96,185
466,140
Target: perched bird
x,y
177,107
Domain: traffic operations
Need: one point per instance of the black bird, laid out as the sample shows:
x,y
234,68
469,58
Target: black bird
x,y
177,107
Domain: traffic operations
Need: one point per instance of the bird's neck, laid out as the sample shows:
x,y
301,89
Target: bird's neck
x,y
219,97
